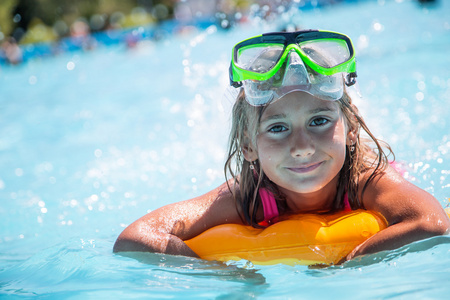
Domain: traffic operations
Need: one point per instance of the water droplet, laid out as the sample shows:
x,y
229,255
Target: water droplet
x,y
98,153
378,26
18,172
70,65
421,85
420,96
32,80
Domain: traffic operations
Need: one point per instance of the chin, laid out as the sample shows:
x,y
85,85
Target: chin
x,y
303,188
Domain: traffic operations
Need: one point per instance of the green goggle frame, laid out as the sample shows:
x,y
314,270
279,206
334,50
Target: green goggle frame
x,y
292,41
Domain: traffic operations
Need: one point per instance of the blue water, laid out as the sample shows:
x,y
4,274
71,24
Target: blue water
x,y
90,141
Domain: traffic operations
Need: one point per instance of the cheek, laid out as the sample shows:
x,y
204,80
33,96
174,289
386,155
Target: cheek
x,y
269,151
339,144
335,141
265,146
265,151
340,153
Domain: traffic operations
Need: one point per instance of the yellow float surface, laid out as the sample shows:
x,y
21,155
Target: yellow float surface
x,y
306,239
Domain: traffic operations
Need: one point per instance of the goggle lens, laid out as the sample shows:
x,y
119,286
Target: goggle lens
x,y
259,58
327,53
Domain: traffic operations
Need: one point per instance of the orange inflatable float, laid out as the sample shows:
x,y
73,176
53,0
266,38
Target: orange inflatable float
x,y
302,239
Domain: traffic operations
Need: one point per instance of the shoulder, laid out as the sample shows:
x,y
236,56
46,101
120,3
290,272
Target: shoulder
x,y
216,207
399,200
186,219
164,229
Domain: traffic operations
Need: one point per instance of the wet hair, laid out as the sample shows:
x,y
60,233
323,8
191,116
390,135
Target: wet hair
x,y
368,157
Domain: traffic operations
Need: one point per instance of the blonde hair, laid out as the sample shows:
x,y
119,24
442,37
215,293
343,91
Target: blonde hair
x,y
248,180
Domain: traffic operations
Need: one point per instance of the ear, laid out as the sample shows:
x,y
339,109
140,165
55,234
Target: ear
x,y
249,151
352,130
352,136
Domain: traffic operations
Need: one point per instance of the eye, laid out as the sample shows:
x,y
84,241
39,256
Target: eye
x,y
319,121
277,128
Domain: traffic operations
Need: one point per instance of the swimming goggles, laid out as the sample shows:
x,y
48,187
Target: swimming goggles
x,y
271,65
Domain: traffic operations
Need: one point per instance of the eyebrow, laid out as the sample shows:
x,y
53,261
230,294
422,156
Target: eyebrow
x,y
321,109
312,111
274,117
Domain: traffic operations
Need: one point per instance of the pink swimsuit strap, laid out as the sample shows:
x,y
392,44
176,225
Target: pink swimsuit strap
x,y
269,206
347,206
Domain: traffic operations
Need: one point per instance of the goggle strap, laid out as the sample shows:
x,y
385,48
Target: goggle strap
x,y
350,79
233,83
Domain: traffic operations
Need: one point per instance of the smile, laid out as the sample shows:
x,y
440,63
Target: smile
x,y
306,168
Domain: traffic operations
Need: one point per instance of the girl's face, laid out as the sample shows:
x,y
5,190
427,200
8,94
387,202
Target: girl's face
x,y
301,146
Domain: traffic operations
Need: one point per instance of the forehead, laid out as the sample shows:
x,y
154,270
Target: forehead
x,y
299,102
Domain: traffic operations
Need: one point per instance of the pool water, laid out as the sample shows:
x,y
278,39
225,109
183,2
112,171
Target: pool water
x,y
91,141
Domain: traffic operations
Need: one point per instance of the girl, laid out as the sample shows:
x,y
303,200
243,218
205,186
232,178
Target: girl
x,y
295,147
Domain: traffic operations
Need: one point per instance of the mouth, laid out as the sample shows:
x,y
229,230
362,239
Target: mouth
x,y
305,168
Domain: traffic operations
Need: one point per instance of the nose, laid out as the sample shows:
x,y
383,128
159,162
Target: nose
x,y
302,145
296,73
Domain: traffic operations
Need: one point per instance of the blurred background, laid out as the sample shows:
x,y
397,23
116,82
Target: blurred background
x,y
33,28
110,109
64,25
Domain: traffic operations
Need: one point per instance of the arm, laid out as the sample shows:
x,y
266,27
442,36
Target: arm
x,y
411,213
164,230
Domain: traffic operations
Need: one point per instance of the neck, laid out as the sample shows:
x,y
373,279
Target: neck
x,y
320,200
